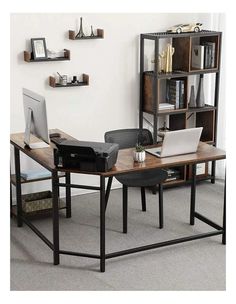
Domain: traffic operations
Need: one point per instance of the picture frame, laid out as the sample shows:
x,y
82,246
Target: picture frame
x,y
39,48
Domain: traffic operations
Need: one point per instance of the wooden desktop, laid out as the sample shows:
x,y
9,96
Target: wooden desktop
x,y
124,164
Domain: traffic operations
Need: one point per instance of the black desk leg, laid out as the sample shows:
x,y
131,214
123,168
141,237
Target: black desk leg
x,y
18,187
224,216
10,199
68,196
108,189
55,217
102,223
213,172
161,206
193,194
125,208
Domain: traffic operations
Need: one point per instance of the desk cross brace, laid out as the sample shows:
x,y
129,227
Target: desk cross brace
x,y
103,201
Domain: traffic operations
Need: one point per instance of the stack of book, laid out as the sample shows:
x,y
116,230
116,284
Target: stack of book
x,y
175,92
203,56
166,106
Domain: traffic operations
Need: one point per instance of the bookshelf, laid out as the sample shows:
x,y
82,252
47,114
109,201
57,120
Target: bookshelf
x,y
154,88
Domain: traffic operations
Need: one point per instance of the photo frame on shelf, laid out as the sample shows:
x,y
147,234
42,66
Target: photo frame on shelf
x,y
39,48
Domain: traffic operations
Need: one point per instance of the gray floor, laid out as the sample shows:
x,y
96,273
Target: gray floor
x,y
197,265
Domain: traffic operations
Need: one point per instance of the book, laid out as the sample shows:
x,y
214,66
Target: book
x,y
35,174
212,47
181,94
198,56
166,106
174,92
209,54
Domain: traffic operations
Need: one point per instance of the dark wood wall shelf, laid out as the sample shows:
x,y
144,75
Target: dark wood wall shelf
x,y
54,84
100,35
28,57
153,88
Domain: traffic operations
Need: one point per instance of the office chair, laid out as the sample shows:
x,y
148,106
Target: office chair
x,y
128,138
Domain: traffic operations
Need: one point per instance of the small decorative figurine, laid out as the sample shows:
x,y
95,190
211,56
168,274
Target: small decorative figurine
x,y
162,131
165,60
192,100
92,33
200,100
81,32
74,80
162,62
169,53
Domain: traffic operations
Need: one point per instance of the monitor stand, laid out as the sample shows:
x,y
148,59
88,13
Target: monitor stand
x,y
37,145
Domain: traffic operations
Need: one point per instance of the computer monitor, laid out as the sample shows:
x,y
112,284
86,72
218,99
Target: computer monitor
x,y
35,119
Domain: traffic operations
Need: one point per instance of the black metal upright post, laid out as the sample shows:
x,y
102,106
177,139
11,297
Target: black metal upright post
x,y
155,90
108,189
125,209
161,220
224,215
55,216
141,82
18,187
102,223
68,195
216,102
193,195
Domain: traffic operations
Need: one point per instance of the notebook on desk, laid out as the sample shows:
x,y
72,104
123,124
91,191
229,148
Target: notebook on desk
x,y
178,142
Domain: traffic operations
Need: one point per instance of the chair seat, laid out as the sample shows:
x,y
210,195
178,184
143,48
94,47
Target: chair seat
x,y
143,179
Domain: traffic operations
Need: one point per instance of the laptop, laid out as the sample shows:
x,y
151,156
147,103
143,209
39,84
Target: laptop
x,y
178,142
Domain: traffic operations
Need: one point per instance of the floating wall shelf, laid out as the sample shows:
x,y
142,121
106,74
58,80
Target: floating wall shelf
x,y
28,57
54,84
100,35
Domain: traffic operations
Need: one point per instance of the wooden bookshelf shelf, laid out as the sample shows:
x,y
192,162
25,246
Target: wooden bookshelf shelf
x,y
28,57
100,35
54,84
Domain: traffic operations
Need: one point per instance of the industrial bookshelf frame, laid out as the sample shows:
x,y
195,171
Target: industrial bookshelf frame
x,y
150,83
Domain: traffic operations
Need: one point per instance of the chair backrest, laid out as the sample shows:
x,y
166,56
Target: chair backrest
x,y
128,138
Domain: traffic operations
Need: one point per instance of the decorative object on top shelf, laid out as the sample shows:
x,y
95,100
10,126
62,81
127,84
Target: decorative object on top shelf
x,y
39,49
99,35
161,60
169,53
92,33
185,28
165,60
192,100
200,100
63,81
81,32
139,154
81,35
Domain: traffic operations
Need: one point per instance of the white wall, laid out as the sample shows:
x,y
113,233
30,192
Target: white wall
x,y
111,100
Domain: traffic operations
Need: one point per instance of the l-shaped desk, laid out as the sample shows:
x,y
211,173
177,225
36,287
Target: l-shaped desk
x,y
124,164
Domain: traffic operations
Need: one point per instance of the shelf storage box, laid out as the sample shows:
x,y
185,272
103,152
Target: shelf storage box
x,y
38,201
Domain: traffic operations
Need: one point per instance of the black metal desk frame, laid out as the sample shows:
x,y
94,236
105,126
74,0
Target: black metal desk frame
x,y
104,194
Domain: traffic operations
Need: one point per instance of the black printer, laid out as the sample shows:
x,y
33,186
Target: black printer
x,y
85,155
